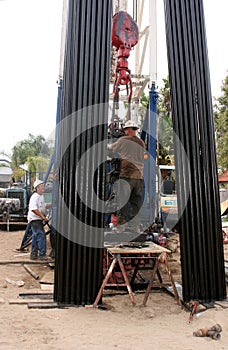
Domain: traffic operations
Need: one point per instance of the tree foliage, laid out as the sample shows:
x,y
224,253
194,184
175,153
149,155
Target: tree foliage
x,y
37,164
165,147
165,127
34,146
34,152
221,127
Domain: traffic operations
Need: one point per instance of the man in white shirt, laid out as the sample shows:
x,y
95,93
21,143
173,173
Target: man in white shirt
x,y
36,216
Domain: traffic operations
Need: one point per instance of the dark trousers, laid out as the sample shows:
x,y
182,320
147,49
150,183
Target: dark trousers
x,y
129,198
27,234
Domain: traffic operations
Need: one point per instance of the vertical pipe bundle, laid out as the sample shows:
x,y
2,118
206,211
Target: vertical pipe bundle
x,y
202,257
82,149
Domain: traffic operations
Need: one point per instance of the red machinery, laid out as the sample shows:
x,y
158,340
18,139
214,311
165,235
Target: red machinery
x,y
125,36
132,266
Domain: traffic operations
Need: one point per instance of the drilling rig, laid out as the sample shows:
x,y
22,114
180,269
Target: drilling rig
x,y
79,253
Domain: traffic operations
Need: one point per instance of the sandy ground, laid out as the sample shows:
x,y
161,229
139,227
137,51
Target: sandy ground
x,y
162,324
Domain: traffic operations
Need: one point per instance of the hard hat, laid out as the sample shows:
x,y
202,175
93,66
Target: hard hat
x,y
130,124
37,183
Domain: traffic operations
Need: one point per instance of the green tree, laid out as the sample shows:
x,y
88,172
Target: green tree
x,y
144,101
164,126
37,164
165,147
34,146
19,174
221,127
34,152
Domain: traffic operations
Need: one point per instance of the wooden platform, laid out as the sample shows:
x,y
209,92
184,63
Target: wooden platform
x,y
138,251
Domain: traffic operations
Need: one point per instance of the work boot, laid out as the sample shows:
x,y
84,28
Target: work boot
x,y
22,250
33,256
44,257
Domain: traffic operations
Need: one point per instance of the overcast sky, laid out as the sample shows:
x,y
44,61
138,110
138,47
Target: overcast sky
x,y
30,36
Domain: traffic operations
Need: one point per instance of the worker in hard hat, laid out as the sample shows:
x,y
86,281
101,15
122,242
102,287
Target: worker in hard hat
x,y
130,149
36,217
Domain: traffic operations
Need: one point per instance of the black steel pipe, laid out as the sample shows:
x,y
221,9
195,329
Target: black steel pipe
x,y
78,272
202,258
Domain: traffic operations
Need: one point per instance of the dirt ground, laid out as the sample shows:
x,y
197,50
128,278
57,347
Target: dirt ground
x,y
162,324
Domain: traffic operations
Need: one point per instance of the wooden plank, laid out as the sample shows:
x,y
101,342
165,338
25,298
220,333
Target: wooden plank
x,y
47,287
151,249
31,272
27,301
32,292
35,262
50,305
48,278
36,295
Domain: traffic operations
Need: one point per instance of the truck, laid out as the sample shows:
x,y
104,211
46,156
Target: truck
x,y
13,195
14,206
5,174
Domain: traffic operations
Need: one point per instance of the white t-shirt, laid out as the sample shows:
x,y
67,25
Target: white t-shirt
x,y
36,202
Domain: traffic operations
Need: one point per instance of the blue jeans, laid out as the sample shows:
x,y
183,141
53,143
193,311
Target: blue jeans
x,y
27,234
38,239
